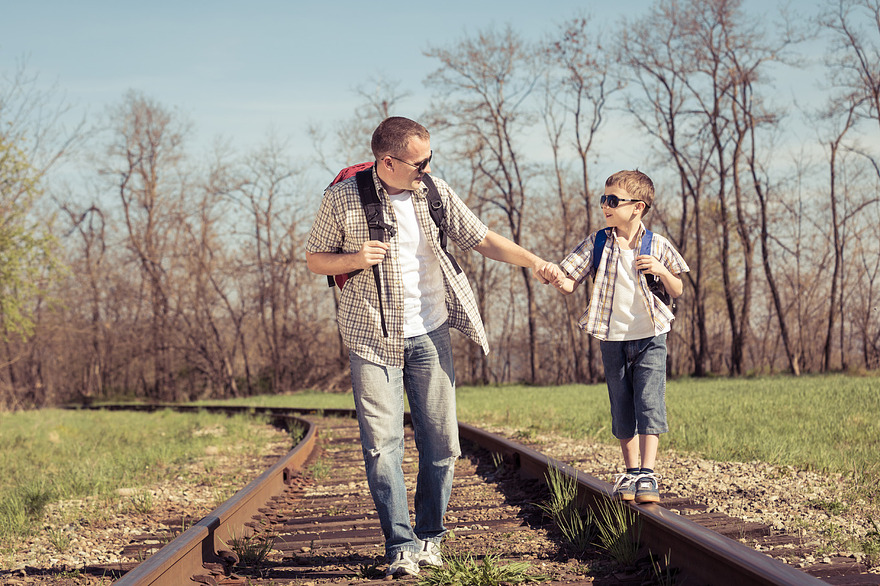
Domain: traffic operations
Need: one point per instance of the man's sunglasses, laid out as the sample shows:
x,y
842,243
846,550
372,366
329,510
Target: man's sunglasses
x,y
612,201
420,167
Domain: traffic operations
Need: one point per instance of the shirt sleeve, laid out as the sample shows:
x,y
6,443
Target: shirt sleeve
x,y
579,262
672,260
326,234
461,225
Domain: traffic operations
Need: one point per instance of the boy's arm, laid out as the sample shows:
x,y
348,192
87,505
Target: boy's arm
x,y
671,282
554,274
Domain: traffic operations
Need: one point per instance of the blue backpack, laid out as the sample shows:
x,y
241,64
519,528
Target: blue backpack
x,y
655,285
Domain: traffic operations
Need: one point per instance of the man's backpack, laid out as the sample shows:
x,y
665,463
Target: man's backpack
x,y
655,285
378,228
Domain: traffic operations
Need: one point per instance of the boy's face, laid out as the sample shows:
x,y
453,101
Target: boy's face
x,y
626,213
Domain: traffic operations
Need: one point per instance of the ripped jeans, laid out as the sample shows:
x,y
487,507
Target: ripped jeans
x,y
428,379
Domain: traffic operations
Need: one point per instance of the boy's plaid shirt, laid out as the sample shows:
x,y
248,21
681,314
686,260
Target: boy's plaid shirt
x,y
340,226
579,264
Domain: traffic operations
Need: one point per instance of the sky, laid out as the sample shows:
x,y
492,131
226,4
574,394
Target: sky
x,y
240,70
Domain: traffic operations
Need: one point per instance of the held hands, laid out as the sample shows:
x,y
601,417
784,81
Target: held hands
x,y
549,273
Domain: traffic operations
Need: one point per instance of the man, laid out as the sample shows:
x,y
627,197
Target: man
x,y
423,295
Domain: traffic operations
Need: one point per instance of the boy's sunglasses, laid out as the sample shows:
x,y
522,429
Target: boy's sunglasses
x,y
420,167
612,201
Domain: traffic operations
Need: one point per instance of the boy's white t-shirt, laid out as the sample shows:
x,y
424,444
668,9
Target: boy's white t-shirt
x,y
424,293
630,319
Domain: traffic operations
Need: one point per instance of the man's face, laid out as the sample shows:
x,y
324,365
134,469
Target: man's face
x,y
404,174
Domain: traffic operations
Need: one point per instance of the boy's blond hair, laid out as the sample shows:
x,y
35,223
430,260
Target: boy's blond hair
x,y
637,185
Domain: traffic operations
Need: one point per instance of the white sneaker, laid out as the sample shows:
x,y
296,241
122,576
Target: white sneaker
x,y
430,555
404,564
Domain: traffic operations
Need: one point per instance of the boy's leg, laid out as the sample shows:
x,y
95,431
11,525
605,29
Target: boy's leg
x,y
649,385
623,422
648,444
631,448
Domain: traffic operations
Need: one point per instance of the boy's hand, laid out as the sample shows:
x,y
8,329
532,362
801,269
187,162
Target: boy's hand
x,y
650,264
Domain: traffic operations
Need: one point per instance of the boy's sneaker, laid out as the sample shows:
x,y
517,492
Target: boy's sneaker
x,y
646,488
625,487
430,555
404,564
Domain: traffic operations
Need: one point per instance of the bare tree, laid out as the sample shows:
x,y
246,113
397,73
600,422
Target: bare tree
x,y
145,164
578,82
485,82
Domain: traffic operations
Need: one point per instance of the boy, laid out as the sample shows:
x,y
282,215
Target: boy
x,y
631,323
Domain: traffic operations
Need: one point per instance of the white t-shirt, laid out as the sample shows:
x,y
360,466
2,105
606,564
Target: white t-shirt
x,y
424,294
630,319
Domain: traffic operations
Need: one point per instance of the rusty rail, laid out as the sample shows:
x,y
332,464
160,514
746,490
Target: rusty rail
x,y
702,555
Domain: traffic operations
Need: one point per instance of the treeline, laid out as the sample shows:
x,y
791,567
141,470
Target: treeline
x,y
165,274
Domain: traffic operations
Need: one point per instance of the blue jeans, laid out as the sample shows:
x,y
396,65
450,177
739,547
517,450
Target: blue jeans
x,y
428,379
635,371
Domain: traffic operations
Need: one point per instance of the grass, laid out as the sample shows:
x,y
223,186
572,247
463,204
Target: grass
x,y
825,423
828,424
52,455
821,423
577,528
466,570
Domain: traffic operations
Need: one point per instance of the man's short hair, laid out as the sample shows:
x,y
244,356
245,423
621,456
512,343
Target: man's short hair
x,y
392,136
637,185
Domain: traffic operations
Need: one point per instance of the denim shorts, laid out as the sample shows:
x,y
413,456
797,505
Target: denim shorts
x,y
635,372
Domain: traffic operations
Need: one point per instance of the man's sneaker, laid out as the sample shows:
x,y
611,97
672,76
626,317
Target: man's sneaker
x,y
404,564
646,488
625,487
430,555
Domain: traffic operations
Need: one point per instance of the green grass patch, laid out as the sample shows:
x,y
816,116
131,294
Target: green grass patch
x,y
823,423
52,455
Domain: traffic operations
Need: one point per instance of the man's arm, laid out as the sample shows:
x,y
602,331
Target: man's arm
x,y
497,247
336,263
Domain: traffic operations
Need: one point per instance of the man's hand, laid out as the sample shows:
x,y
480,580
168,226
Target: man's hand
x,y
371,253
548,272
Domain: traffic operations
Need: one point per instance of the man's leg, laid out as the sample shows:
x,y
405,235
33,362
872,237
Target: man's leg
x,y
429,378
378,398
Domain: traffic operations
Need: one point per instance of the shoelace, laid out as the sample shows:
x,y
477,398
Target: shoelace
x,y
625,479
652,475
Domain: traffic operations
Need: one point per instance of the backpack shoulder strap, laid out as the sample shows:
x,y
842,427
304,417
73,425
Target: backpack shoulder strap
x,y
646,242
372,206
599,248
435,207
378,228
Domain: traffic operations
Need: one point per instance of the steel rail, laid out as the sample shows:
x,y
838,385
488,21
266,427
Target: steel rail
x,y
710,558
703,555
204,545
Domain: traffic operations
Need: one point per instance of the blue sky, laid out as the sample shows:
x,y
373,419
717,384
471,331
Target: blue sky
x,y
239,69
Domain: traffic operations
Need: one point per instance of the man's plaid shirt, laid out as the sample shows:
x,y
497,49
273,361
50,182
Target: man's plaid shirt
x,y
579,265
340,226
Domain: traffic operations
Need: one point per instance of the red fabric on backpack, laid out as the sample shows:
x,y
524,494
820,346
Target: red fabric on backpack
x,y
340,280
350,172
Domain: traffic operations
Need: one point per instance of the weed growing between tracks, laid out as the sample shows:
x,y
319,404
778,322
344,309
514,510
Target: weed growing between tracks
x,y
252,549
466,570
577,527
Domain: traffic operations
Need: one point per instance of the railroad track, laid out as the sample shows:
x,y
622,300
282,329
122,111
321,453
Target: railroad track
x,y
314,508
